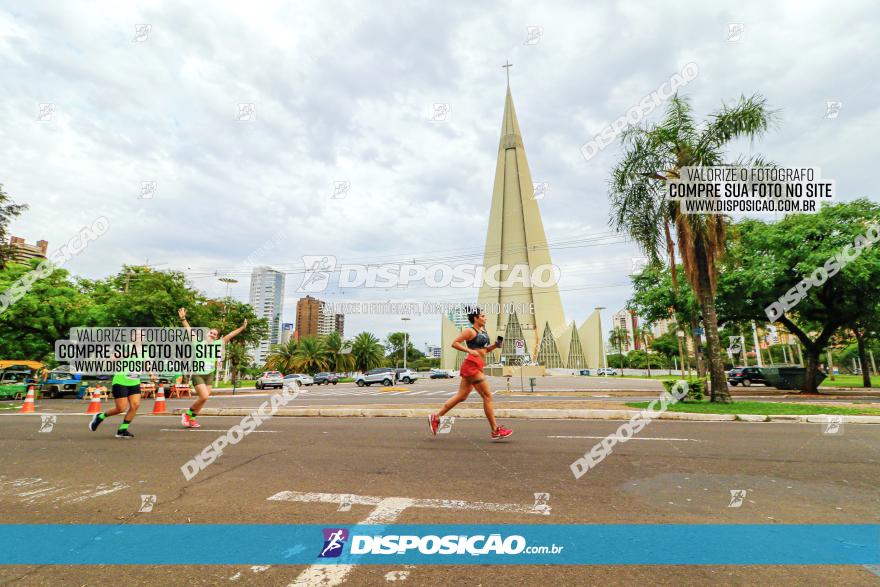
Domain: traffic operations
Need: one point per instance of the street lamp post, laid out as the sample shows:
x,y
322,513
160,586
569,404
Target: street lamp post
x,y
405,341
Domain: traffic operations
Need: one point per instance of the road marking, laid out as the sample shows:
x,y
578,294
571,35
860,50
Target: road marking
x,y
633,438
385,511
211,430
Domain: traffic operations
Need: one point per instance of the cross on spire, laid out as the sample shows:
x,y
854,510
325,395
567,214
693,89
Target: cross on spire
x,y
507,65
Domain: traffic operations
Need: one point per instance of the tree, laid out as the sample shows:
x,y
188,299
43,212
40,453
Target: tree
x,y
8,211
653,155
394,347
282,357
311,355
45,313
769,261
367,351
339,350
642,335
619,338
667,346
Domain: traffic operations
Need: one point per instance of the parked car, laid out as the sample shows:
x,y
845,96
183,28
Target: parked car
x,y
406,375
606,371
746,376
303,379
440,374
326,379
14,382
60,382
383,375
584,372
272,379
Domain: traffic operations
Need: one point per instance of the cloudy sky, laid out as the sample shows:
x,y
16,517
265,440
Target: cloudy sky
x,y
345,91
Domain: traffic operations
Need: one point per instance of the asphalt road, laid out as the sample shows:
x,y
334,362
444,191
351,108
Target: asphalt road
x,y
677,472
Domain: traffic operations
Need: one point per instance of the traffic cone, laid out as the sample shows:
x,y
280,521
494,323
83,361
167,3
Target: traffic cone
x,y
95,404
159,404
28,406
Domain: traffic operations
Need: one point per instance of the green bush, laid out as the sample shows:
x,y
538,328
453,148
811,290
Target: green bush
x,y
696,388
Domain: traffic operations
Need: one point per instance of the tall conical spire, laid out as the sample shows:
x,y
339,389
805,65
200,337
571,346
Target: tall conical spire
x,y
516,238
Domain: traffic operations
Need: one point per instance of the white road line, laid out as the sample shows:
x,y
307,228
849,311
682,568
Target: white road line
x,y
634,438
386,510
211,430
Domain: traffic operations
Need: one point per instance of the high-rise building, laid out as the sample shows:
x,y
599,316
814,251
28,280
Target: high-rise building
x,y
526,314
432,351
21,251
308,316
267,299
314,317
627,320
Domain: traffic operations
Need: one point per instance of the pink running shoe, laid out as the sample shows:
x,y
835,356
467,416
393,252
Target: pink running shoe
x,y
435,423
501,433
194,424
184,420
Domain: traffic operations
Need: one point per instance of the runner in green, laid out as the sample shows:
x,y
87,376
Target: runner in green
x,y
202,380
126,385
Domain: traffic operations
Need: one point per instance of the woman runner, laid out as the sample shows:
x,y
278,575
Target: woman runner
x,y
472,377
202,381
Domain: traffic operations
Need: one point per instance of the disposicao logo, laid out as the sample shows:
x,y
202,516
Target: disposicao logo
x,y
334,540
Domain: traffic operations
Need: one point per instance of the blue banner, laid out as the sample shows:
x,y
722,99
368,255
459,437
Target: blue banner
x,y
588,544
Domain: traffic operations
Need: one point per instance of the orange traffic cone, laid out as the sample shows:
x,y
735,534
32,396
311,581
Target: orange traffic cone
x,y
159,404
28,406
95,404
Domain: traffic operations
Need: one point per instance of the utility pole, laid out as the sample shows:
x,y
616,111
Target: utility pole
x,y
830,366
745,356
405,340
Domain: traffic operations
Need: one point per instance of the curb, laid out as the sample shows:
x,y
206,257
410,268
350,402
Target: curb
x,y
534,414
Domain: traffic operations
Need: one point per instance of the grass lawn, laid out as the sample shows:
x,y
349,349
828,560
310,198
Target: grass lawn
x,y
763,408
240,383
848,381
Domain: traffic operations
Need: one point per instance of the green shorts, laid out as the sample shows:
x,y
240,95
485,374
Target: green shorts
x,y
202,380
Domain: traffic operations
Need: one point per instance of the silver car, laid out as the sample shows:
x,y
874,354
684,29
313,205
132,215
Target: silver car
x,y
272,379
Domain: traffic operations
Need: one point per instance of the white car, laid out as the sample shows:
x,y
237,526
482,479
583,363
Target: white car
x,y
270,379
303,379
406,375
383,375
606,371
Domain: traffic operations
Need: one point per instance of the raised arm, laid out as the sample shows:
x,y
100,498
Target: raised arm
x,y
235,332
182,313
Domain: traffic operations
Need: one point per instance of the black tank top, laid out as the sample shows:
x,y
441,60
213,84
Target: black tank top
x,y
480,341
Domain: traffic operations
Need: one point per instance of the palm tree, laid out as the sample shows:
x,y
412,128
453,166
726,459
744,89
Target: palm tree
x,y
367,351
282,357
311,355
655,154
619,337
237,356
339,350
643,334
